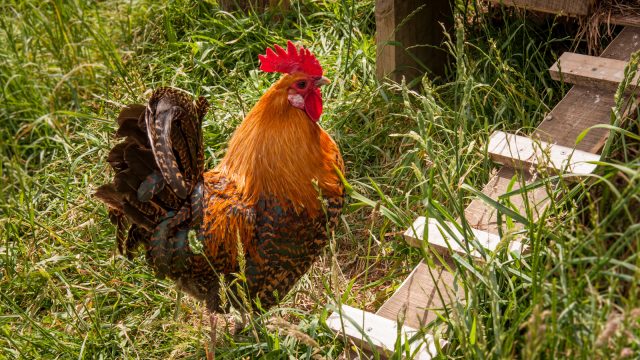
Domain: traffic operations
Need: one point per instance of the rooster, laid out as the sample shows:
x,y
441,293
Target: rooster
x,y
272,200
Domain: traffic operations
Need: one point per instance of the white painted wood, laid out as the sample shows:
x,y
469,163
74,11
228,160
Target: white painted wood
x,y
443,241
365,328
524,153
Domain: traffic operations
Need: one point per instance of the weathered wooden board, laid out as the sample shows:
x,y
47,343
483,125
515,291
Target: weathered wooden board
x,y
561,7
593,71
446,243
385,25
423,293
524,153
625,44
366,329
407,30
580,109
574,8
623,19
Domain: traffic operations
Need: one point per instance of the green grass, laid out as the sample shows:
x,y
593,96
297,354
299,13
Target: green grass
x,y
67,67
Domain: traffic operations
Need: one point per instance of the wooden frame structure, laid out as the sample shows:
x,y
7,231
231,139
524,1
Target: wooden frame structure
x,y
574,8
551,148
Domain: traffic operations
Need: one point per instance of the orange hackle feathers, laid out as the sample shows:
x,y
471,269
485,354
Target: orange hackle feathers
x,y
278,152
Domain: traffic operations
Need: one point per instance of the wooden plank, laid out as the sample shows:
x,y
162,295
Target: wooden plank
x,y
561,7
580,109
407,30
591,71
445,243
423,293
574,8
524,153
626,43
366,329
385,25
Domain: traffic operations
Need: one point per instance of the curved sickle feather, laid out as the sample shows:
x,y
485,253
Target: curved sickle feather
x,y
159,130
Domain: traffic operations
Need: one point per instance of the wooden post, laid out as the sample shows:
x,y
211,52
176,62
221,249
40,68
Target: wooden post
x,y
411,27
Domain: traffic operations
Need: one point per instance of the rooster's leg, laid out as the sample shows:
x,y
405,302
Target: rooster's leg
x,y
213,321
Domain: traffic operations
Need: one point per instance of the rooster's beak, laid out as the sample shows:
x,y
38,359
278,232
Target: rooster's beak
x,y
322,81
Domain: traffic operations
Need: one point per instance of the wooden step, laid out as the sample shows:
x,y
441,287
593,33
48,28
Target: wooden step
x,y
422,295
366,329
444,242
524,153
593,71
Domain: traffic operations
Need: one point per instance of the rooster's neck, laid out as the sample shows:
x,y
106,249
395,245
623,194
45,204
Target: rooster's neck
x,y
279,152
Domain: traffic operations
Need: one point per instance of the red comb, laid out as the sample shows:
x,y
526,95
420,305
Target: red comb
x,y
290,61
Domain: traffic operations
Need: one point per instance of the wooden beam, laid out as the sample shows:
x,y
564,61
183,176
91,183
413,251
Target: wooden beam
x,y
424,293
366,329
407,30
626,43
575,8
591,71
524,153
623,19
445,243
560,7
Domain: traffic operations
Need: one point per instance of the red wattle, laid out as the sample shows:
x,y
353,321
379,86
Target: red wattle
x,y
313,105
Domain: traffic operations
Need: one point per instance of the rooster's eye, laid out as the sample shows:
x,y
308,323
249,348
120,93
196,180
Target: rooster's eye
x,y
301,84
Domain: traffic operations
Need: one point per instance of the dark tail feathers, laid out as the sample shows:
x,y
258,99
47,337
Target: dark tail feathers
x,y
157,166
